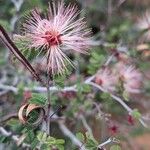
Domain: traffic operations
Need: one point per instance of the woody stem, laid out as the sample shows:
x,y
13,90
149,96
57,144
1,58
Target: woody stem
x,y
49,106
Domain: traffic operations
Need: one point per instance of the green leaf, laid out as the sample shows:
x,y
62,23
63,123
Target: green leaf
x,y
40,135
60,141
136,114
2,139
115,147
34,143
2,61
80,136
60,147
106,96
50,140
86,88
59,79
14,124
96,61
38,99
44,147
44,137
126,96
30,134
5,24
20,87
83,88
91,143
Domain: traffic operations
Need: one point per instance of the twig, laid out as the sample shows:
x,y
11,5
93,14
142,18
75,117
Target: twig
x,y
110,140
17,4
8,117
69,134
86,125
118,100
49,105
3,92
38,88
15,138
109,59
120,3
74,88
12,47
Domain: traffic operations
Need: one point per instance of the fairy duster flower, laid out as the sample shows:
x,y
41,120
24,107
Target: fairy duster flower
x,y
60,31
106,78
132,79
143,24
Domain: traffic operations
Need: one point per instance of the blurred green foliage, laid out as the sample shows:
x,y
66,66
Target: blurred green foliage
x,y
111,23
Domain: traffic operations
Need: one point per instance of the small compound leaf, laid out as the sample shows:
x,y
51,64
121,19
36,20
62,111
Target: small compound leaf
x,y
80,136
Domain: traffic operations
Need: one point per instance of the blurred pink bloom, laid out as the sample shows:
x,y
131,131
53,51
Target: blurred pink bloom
x,y
57,33
143,24
130,120
113,129
119,68
106,79
132,79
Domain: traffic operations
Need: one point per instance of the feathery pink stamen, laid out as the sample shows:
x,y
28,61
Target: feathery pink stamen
x,y
57,33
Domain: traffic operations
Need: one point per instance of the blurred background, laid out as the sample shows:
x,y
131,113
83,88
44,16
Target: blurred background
x,y
117,25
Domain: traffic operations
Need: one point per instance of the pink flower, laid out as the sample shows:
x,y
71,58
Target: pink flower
x,y
57,33
106,79
143,24
130,120
132,79
113,129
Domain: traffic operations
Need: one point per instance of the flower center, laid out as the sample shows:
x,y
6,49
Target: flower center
x,y
99,81
52,38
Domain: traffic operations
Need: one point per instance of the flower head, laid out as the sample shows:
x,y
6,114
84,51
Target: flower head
x,y
132,79
113,129
143,24
55,34
106,79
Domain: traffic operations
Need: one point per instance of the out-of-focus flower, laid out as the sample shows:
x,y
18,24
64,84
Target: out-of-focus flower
x,y
130,120
123,57
106,79
113,129
68,95
57,33
143,24
119,67
132,79
27,95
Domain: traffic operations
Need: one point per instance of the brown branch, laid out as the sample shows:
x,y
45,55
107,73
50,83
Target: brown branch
x,y
8,117
15,138
12,47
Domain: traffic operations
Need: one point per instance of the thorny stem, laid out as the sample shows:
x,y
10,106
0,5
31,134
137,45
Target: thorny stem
x,y
58,109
